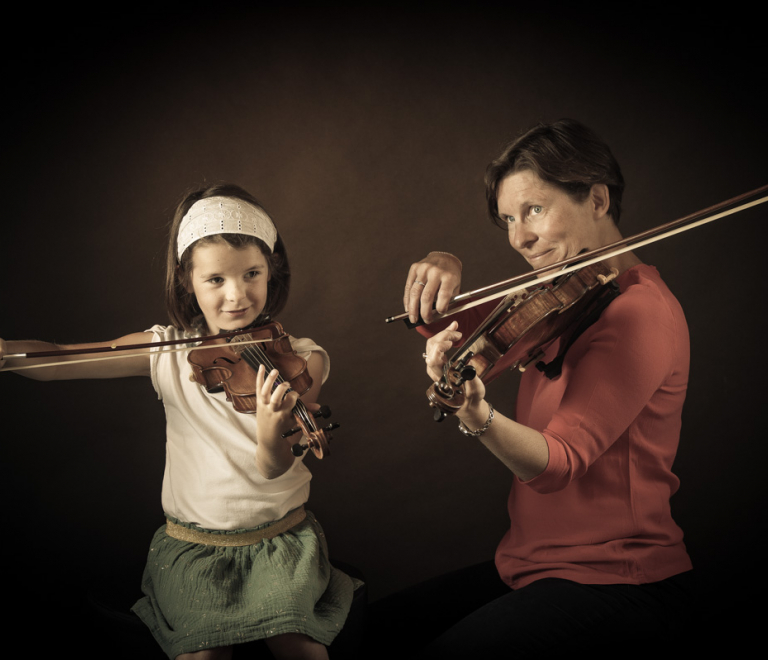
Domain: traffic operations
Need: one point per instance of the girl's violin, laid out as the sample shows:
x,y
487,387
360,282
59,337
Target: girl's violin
x,y
231,368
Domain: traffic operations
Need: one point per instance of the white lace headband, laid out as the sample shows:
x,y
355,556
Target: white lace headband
x,y
224,215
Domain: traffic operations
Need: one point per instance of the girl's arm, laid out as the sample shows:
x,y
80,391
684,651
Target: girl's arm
x,y
68,367
274,416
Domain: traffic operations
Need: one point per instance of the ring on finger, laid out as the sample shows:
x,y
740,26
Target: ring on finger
x,y
420,282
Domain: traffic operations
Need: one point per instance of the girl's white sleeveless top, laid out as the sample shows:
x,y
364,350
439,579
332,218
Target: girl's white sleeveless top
x,y
210,476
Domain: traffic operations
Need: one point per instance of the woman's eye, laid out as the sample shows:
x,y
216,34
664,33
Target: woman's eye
x,y
510,219
535,209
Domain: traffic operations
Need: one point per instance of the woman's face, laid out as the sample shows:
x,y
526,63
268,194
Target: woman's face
x,y
546,224
230,284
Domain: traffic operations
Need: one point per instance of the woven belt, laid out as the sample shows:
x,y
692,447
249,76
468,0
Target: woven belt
x,y
233,540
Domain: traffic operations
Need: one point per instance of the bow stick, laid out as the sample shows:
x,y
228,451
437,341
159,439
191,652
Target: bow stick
x,y
127,347
519,282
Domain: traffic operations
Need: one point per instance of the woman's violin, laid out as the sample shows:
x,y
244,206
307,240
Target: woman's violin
x,y
538,307
229,365
515,333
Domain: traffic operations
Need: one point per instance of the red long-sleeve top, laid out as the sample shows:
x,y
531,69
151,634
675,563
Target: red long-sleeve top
x,y
600,513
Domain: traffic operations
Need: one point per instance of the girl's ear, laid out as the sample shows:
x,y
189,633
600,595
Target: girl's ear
x,y
183,280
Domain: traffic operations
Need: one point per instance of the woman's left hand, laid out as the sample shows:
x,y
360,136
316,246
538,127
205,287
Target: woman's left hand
x,y
435,359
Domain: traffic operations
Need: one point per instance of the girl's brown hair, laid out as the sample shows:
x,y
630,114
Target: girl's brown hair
x,y
181,304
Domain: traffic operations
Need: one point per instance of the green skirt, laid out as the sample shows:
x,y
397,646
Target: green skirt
x,y
202,596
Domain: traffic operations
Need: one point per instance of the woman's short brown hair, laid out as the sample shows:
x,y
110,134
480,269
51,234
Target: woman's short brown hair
x,y
181,304
565,154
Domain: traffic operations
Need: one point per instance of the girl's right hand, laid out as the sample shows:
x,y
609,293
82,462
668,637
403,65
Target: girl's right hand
x,y
432,281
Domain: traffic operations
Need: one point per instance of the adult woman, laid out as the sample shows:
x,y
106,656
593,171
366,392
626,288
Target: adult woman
x,y
592,546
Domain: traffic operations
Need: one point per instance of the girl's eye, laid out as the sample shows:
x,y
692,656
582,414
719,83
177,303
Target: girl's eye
x,y
215,280
253,274
510,219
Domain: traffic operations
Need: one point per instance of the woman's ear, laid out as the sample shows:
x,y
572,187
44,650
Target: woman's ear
x,y
600,198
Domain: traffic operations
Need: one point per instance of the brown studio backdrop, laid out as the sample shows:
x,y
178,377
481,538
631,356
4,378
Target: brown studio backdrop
x,y
366,138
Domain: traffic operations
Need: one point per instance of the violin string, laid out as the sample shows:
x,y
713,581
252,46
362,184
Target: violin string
x,y
256,355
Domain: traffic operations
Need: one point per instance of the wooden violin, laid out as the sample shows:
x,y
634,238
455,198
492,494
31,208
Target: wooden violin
x,y
229,366
515,333
529,318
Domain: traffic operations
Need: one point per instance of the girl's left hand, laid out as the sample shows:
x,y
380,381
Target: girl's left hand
x,y
274,404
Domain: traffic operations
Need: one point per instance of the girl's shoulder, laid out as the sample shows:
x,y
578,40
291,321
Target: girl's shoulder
x,y
305,347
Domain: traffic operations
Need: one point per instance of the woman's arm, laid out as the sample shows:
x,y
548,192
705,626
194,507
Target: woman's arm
x,y
274,416
69,367
523,450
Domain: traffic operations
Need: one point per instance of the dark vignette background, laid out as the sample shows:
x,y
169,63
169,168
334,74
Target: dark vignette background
x,y
366,136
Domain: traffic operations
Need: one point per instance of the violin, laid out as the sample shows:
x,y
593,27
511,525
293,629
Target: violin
x,y
229,365
515,334
226,362
530,317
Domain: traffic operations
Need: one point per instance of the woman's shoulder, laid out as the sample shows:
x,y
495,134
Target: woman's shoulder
x,y
644,284
646,300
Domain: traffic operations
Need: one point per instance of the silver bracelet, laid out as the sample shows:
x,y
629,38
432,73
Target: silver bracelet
x,y
480,431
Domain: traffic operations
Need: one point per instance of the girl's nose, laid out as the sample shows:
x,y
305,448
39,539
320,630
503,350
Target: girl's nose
x,y
235,292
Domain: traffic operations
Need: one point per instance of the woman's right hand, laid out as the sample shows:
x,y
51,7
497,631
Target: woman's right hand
x,y
432,281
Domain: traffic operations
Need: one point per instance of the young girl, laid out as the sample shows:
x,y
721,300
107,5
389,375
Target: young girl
x,y
239,558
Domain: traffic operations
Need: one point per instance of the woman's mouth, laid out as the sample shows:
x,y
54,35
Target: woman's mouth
x,y
535,258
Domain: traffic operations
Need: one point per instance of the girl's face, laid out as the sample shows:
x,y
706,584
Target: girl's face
x,y
230,284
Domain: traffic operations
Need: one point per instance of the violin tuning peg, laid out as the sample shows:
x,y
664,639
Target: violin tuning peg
x,y
468,373
438,415
324,412
288,434
331,427
298,450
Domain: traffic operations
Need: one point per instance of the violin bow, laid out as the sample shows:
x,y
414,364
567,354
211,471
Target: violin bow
x,y
519,282
114,348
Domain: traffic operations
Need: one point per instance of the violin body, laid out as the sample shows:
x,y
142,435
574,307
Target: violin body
x,y
232,369
224,370
517,332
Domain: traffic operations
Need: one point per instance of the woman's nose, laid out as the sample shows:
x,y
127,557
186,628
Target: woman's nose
x,y
521,237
